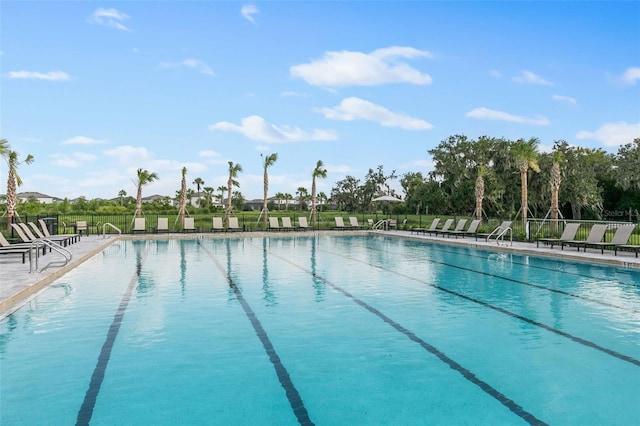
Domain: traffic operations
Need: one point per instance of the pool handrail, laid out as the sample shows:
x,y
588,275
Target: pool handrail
x,y
104,229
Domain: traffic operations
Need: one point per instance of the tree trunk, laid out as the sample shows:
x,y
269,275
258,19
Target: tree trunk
x,y
525,207
227,213
264,203
139,201
479,196
11,197
313,201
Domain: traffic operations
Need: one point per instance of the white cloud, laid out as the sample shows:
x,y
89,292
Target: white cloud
x,y
489,114
529,77
339,169
495,73
81,140
351,109
110,18
74,160
613,134
190,63
257,129
630,76
565,99
248,11
348,68
51,75
208,154
128,154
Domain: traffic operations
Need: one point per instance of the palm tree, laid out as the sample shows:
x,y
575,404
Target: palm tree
x,y
322,198
183,196
302,195
222,190
280,197
198,182
268,161
208,192
122,193
318,172
526,155
556,180
287,197
13,180
479,192
143,178
234,169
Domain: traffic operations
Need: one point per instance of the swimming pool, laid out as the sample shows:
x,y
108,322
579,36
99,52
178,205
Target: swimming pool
x,y
324,330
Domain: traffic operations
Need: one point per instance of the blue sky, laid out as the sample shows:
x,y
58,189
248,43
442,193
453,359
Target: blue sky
x,y
96,90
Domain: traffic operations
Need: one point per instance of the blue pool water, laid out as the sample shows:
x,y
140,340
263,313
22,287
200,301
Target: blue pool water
x,y
326,330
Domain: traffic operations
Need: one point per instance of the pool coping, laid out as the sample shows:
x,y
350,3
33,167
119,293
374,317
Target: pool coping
x,y
24,293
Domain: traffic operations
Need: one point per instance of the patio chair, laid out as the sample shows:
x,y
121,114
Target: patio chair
x,y
595,236
163,225
445,227
471,230
340,223
63,240
459,227
286,224
274,223
189,225
217,225
568,234
621,237
434,225
233,224
353,221
139,225
19,248
71,238
303,224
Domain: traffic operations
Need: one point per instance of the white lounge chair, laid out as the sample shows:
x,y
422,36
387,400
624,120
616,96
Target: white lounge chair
x,y
163,225
353,221
286,224
568,234
303,224
217,225
445,228
233,224
595,236
139,225
621,237
340,223
189,225
459,227
433,226
71,238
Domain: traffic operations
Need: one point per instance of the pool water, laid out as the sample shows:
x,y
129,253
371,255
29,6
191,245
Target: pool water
x,y
325,330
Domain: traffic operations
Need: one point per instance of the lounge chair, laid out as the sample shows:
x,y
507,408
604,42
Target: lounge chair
x,y
26,240
471,230
353,221
595,236
370,223
621,237
286,224
217,225
433,226
459,227
303,224
568,234
163,225
340,223
501,229
233,224
626,247
188,225
139,225
445,228
72,238
274,224
20,248
81,225
63,240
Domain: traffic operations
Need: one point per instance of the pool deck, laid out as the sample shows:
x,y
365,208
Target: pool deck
x,y
18,285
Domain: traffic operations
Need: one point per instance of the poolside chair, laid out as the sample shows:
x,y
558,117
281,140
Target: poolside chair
x,y
626,247
445,227
63,240
274,223
217,225
20,248
286,224
353,221
139,225
163,225
340,223
188,225
233,224
72,238
370,223
26,240
497,232
621,237
459,227
434,225
471,230
595,236
568,234
81,225
303,224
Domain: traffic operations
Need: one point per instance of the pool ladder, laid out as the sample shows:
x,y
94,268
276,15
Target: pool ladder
x,y
104,229
39,243
500,238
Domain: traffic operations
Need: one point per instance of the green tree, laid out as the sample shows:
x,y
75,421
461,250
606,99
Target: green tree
x,y
318,172
267,162
234,170
526,156
13,161
302,196
143,178
628,165
122,193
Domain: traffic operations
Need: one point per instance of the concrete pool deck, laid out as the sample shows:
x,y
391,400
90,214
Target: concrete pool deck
x,y
18,285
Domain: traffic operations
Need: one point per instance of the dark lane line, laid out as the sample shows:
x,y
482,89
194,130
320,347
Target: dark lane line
x,y
86,410
283,375
513,280
501,310
544,268
467,374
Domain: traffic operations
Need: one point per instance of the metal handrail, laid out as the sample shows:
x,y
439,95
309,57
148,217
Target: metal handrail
x,y
381,223
104,229
500,237
53,246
